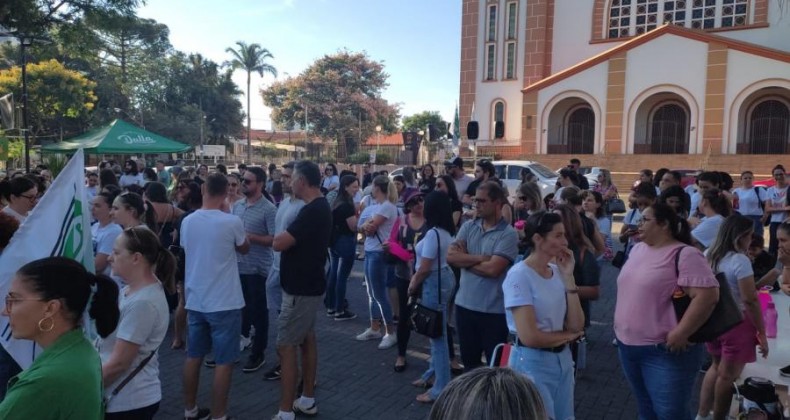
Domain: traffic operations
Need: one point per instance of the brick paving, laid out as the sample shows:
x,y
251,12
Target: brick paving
x,y
356,380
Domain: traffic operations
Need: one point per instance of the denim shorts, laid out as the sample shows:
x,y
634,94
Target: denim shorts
x,y
214,330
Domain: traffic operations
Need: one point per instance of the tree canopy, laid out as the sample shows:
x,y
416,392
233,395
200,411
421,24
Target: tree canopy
x,y
420,121
60,100
338,97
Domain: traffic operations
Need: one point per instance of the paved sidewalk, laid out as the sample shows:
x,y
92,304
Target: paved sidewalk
x,y
356,380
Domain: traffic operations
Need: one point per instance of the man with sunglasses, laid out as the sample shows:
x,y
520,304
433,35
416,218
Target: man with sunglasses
x,y
455,168
258,216
484,249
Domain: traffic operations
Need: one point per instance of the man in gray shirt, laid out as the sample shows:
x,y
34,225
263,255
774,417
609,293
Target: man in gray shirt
x,y
258,215
286,214
455,168
484,249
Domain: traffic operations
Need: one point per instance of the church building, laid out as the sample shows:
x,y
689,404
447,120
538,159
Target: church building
x,y
675,83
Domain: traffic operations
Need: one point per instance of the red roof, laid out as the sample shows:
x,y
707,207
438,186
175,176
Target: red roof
x,y
649,36
394,139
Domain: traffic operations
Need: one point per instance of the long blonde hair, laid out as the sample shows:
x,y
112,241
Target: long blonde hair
x,y
385,185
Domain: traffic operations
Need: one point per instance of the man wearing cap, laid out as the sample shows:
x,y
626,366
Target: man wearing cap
x,y
455,168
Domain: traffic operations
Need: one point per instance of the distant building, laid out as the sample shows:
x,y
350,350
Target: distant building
x,y
629,77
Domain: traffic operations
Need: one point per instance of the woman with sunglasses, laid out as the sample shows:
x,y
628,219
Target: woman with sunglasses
x,y
656,357
544,314
21,194
606,188
147,269
45,304
331,179
234,188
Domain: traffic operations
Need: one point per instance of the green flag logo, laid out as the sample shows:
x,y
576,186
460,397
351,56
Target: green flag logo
x,y
72,236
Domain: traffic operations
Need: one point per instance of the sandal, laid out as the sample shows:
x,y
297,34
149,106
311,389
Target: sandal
x,y
419,383
425,398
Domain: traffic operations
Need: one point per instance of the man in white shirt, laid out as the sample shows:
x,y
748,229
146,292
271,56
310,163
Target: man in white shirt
x,y
211,238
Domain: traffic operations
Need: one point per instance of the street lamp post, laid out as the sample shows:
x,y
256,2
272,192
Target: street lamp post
x,y
378,137
25,42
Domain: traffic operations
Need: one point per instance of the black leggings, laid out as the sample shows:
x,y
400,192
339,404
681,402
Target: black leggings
x,y
404,320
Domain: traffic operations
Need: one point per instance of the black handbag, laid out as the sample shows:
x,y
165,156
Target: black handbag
x,y
619,259
425,320
615,206
725,315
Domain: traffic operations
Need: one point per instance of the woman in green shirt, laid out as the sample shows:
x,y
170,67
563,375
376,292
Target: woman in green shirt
x,y
45,304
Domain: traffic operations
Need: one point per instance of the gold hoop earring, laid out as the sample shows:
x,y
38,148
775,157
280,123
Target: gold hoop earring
x,y
51,325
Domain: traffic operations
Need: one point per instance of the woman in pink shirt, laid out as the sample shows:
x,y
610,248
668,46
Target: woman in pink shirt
x,y
657,359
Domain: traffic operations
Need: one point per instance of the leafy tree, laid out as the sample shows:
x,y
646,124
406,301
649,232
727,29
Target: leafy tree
x,y
339,97
250,58
36,17
420,121
59,100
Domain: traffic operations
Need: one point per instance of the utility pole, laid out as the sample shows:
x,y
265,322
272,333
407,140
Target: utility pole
x,y
24,43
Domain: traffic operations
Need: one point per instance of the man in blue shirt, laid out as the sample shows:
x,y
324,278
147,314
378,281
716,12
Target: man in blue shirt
x,y
484,249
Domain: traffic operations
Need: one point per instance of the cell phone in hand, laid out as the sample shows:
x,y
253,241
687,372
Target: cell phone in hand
x,y
631,227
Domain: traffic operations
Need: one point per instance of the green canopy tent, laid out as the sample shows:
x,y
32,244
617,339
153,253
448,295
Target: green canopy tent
x,y
119,137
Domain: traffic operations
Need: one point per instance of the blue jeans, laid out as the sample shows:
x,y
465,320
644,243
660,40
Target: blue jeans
x,y
440,353
662,381
376,273
342,253
552,374
255,312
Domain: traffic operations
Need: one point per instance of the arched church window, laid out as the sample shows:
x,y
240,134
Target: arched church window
x,y
635,17
768,128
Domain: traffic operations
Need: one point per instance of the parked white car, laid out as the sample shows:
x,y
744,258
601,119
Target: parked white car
x,y
509,171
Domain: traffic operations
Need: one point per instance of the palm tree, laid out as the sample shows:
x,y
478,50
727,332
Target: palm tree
x,y
250,58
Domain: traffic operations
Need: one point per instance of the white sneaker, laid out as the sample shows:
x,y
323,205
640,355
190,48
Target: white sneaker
x,y
244,342
388,341
301,409
369,334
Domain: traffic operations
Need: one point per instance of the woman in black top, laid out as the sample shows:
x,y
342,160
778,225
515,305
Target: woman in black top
x,y
427,179
411,227
446,185
343,247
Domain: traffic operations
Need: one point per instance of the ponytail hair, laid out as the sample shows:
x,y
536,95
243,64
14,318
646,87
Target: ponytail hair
x,y
143,210
719,202
678,226
104,304
145,242
67,280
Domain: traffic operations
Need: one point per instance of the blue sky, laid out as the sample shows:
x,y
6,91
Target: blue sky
x,y
417,40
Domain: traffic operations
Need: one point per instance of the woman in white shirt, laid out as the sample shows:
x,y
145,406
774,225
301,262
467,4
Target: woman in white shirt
x,y
714,206
436,281
376,222
732,350
147,269
544,314
751,200
331,179
776,205
103,232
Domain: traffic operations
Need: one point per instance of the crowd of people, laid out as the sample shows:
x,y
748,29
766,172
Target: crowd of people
x,y
231,255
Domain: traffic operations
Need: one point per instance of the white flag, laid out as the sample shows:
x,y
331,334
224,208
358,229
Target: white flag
x,y
59,225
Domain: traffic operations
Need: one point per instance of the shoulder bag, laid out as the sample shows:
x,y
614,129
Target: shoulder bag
x,y
724,317
128,378
615,205
425,320
767,220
